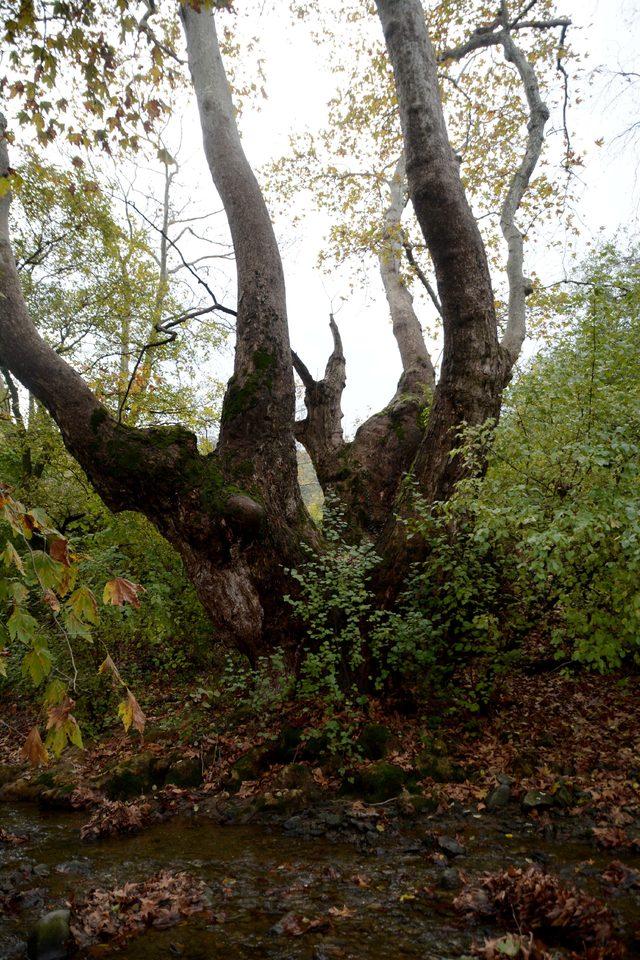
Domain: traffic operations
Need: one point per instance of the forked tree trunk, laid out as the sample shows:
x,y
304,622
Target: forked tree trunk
x,y
236,515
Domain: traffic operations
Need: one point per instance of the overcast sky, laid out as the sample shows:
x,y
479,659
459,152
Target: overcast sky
x,y
606,33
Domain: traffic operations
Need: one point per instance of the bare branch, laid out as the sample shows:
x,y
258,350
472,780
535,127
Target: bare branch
x,y
519,286
216,303
422,277
416,363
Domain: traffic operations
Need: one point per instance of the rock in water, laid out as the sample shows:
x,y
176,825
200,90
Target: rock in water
x,y
50,937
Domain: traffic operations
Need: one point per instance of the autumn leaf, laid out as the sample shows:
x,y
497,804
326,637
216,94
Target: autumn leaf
x,y
11,555
34,750
109,668
120,591
51,600
130,712
59,551
84,606
59,714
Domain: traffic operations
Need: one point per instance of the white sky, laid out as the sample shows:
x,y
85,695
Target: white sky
x,y
606,33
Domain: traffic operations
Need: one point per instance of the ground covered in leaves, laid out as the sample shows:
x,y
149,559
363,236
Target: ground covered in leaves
x,y
520,829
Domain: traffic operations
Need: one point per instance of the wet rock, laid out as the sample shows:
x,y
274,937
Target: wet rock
x,y
380,781
537,800
50,939
135,776
450,846
289,746
58,797
246,767
564,795
422,803
79,867
438,768
41,870
498,797
185,772
375,741
31,899
9,773
449,879
23,789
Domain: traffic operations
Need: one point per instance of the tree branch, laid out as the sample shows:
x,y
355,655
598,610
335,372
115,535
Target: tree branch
x,y
417,367
519,286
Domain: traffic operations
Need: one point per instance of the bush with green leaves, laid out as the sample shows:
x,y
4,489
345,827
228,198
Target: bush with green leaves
x,y
547,541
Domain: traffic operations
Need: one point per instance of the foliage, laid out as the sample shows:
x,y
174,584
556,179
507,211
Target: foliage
x,y
51,611
548,541
347,164
95,291
333,602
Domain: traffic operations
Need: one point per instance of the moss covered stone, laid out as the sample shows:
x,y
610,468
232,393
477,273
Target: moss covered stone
x,y
135,776
185,772
380,781
375,741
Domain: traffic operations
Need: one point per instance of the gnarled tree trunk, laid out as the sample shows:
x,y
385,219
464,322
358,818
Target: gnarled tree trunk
x,y
236,515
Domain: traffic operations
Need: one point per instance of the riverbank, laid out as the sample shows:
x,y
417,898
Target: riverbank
x,y
445,840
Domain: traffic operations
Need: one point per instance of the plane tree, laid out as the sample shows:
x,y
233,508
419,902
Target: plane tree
x,y
236,515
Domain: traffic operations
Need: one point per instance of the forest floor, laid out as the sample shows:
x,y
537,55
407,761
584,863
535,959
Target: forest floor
x,y
519,831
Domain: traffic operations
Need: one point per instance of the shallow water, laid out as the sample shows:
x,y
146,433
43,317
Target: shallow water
x,y
257,875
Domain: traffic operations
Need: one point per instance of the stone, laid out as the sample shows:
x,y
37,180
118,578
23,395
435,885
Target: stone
x,y
381,781
246,767
135,776
498,797
450,846
80,867
537,800
438,768
9,772
449,879
375,741
185,772
50,937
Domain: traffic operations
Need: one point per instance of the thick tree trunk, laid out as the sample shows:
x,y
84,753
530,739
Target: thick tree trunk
x,y
473,370
236,516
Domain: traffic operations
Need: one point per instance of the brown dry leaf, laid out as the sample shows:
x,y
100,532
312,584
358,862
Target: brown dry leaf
x,y
340,911
538,902
59,715
51,600
120,591
59,551
115,916
114,818
12,839
34,750
109,668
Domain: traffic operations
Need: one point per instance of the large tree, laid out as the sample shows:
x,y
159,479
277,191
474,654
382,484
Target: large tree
x,y
236,515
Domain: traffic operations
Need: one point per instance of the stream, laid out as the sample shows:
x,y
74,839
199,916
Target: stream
x,y
398,900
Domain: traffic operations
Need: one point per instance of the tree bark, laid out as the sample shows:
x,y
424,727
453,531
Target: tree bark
x,y
236,516
472,375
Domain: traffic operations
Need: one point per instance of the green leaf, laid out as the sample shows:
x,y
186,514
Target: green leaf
x,y
48,571
55,693
84,605
37,664
21,625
